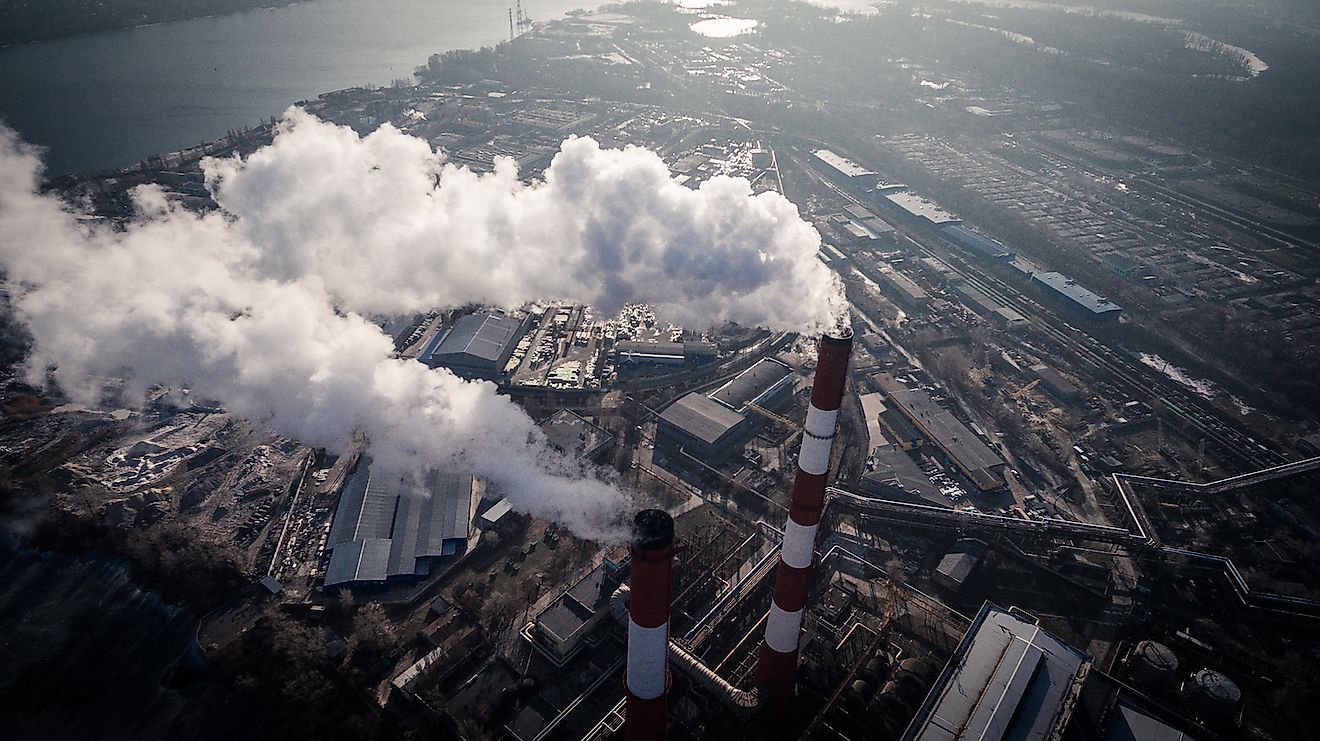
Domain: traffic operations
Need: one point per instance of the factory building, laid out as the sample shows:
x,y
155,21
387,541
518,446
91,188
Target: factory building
x,y
903,289
1081,301
957,565
679,354
936,424
388,527
1009,319
975,243
940,271
1008,679
872,227
574,435
998,314
560,630
892,474
767,384
844,170
477,346
703,427
712,426
916,208
1055,384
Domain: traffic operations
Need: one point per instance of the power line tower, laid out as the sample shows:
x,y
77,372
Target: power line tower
x,y
511,24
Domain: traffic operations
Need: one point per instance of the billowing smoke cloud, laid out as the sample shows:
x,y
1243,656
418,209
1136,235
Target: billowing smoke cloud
x,y
261,303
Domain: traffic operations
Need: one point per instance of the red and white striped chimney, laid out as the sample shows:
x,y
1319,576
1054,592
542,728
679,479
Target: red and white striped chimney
x,y
647,676
779,651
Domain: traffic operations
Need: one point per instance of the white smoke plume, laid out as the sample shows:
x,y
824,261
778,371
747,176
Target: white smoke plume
x,y
261,303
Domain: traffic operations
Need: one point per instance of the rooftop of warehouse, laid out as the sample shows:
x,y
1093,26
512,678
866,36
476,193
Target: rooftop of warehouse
x,y
1008,678
842,164
702,417
1078,293
763,377
918,206
950,433
482,335
384,524
572,433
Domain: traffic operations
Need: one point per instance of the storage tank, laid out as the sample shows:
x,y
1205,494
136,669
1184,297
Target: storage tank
x,y
1153,665
1214,697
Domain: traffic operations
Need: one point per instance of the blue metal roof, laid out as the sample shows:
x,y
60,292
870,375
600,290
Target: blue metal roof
x,y
384,525
476,338
974,242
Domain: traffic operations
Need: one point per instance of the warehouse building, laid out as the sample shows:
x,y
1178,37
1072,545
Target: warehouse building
x,y
956,566
703,427
388,527
937,425
574,435
477,346
940,271
712,426
902,289
1008,679
917,208
1079,300
1055,384
843,170
767,384
1009,319
892,474
874,228
975,243
640,353
565,626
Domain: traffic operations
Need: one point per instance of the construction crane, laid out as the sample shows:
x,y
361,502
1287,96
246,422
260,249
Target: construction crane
x,y
1025,389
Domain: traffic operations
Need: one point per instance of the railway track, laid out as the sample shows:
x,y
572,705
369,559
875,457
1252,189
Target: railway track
x,y
1232,438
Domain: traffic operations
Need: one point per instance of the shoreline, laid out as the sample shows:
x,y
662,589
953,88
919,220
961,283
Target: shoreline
x,y
263,5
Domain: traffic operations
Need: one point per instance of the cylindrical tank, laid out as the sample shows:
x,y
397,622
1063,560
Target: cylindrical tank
x,y
1153,665
1213,696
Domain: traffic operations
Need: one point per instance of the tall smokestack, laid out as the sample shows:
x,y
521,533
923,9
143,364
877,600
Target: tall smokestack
x,y
779,651
648,626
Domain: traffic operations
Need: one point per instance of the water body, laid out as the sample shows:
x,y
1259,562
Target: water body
x,y
724,28
102,101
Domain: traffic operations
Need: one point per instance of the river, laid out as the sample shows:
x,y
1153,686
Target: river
x,y
105,100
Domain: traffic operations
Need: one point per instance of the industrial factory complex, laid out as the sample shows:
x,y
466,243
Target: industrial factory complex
x,y
1051,478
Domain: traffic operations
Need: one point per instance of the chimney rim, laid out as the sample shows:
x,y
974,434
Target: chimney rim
x,y
653,529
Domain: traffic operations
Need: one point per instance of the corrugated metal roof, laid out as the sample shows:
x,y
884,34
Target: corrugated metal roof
x,y
480,336
411,521
1008,679
976,242
763,377
701,417
359,561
